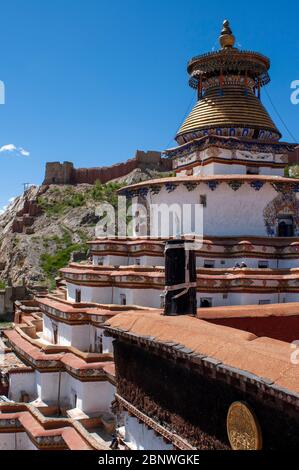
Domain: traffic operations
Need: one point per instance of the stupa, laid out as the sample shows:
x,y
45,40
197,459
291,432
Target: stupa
x,y
229,160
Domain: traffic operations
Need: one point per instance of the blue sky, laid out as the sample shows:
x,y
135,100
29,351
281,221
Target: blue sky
x,y
91,81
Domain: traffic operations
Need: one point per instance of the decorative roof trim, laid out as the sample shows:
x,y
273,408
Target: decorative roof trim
x,y
231,142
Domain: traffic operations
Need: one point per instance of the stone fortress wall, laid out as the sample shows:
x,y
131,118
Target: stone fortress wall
x,y
65,173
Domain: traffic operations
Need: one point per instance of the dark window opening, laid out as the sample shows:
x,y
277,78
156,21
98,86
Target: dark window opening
x,y
74,399
203,200
263,264
252,170
55,333
285,227
256,133
78,296
209,264
205,303
98,343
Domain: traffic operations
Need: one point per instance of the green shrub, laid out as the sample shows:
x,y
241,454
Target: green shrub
x,y
52,263
292,171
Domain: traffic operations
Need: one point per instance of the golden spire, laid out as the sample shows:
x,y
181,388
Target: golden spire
x,y
226,39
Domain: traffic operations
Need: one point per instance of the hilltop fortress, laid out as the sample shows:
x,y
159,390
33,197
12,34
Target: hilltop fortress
x,y
65,173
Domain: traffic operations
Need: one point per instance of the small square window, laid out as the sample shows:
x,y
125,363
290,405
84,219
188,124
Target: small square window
x,y
206,302
208,263
137,261
252,170
263,264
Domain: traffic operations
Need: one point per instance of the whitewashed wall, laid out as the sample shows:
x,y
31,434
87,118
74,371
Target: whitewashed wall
x,y
16,441
140,437
152,297
143,297
228,212
81,337
223,263
110,260
228,262
47,385
95,332
224,169
108,295
116,260
67,335
90,294
25,382
246,298
91,396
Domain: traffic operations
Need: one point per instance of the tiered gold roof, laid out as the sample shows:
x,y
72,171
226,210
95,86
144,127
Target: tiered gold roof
x,y
233,109
229,80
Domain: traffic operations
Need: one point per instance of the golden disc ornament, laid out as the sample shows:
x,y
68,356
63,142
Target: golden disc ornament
x,y
243,429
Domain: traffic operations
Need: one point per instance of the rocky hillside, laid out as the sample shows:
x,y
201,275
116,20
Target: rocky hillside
x,y
41,229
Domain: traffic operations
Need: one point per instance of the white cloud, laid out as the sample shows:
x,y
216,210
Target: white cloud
x,y
24,152
8,148
10,201
12,149
3,209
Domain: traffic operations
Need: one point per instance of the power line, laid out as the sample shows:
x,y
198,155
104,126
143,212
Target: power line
x,y
278,114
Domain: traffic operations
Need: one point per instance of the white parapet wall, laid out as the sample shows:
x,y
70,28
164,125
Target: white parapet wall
x,y
22,383
16,441
61,389
87,338
138,436
227,212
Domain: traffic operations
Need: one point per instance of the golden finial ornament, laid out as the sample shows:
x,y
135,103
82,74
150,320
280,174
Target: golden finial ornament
x,y
226,39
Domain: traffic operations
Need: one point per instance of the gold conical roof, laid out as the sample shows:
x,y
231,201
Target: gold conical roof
x,y
231,109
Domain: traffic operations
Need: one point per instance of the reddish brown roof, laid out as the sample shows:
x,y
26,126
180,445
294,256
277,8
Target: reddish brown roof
x,y
88,309
63,359
38,427
241,311
263,357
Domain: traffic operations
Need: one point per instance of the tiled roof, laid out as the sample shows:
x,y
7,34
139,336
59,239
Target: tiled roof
x,y
62,360
253,311
47,433
262,357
